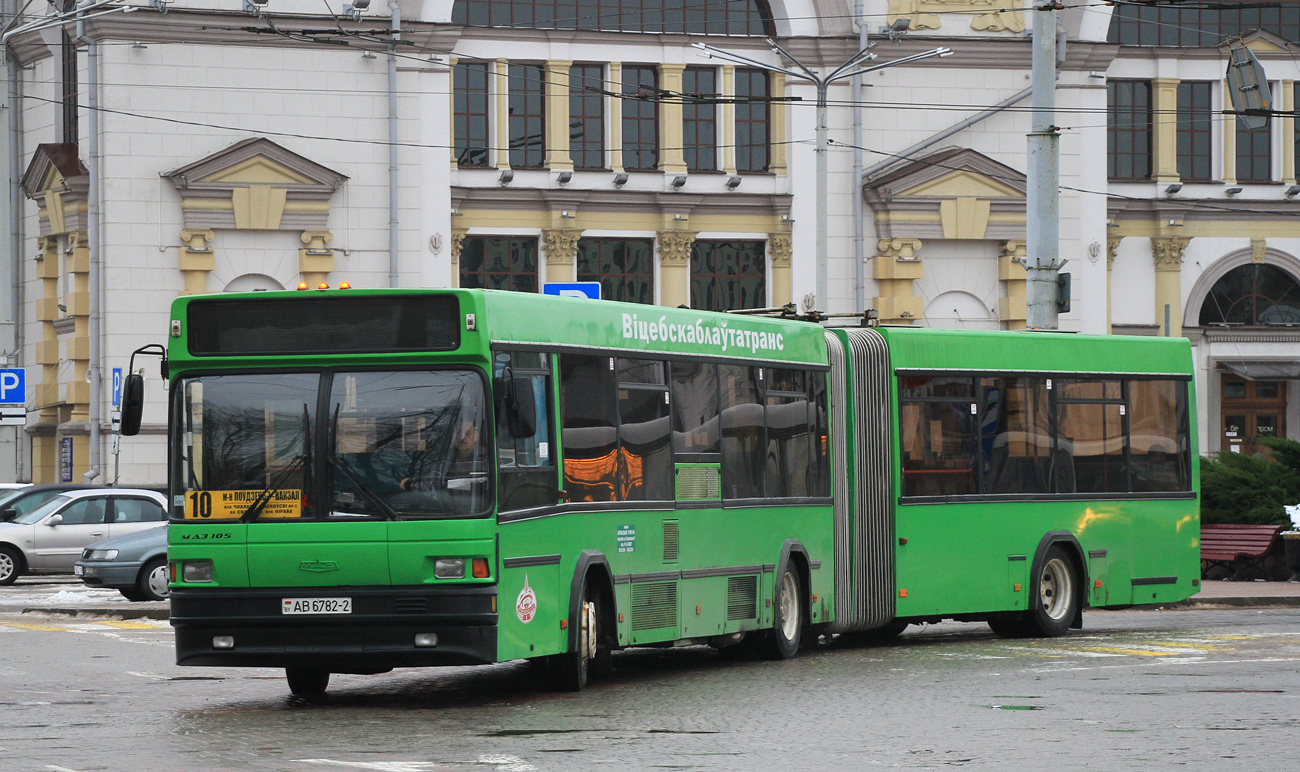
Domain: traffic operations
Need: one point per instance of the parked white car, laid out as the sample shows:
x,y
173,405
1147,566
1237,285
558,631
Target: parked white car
x,y
49,539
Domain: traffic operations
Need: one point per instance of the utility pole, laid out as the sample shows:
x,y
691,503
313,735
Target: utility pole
x,y
851,67
1042,227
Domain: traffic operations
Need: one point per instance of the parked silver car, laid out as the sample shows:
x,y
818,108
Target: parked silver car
x,y
134,565
49,538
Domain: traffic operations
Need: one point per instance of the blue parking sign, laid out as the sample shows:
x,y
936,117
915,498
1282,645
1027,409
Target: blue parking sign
x,y
572,289
13,386
117,387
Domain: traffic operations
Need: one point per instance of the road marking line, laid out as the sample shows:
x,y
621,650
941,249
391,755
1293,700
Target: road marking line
x,y
1133,652
126,625
35,628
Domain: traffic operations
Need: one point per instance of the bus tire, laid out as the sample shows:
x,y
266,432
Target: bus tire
x,y
788,615
1054,595
571,670
306,681
11,566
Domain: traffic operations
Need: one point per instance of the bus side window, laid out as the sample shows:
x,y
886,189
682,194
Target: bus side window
x,y
742,425
645,454
527,464
590,427
938,433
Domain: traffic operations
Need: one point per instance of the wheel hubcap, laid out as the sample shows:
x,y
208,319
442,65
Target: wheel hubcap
x,y
788,602
1054,588
6,566
588,638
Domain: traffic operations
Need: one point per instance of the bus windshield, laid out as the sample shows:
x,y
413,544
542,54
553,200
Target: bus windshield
x,y
389,444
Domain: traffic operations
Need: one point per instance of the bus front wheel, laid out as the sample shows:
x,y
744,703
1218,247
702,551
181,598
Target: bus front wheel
x,y
787,622
570,670
307,682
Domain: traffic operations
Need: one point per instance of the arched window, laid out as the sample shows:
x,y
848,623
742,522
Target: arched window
x,y
1253,295
711,17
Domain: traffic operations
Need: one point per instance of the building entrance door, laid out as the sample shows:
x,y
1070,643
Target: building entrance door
x,y
1251,409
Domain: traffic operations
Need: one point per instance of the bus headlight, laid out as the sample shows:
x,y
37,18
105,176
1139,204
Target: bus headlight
x,y
449,568
196,571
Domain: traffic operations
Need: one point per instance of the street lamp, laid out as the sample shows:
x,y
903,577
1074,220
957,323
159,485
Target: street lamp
x,y
851,67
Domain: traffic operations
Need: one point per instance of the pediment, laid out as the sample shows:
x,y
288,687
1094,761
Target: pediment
x,y
962,184
53,166
1264,43
256,161
952,173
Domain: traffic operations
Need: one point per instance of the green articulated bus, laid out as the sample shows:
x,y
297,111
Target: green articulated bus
x,y
365,480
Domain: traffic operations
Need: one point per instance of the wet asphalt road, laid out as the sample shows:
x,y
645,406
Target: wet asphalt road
x,y
1185,689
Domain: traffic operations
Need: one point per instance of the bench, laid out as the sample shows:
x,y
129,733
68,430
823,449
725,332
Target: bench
x,y
1244,544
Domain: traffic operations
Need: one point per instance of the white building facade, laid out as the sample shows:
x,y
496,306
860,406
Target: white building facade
x,y
507,143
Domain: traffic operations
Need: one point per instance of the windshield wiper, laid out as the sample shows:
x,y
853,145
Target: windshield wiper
x,y
366,493
337,464
270,490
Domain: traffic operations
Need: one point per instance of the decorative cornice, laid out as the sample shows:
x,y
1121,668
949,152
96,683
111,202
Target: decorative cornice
x,y
561,245
675,247
780,248
904,249
1168,252
1112,249
457,239
619,201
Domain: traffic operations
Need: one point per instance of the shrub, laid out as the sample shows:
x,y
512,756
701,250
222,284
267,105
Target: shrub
x,y
1236,488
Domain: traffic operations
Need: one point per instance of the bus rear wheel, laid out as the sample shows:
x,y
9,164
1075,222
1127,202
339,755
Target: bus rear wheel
x,y
306,681
787,622
1053,600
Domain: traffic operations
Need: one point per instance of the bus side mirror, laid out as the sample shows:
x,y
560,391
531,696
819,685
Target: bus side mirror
x,y
132,404
521,408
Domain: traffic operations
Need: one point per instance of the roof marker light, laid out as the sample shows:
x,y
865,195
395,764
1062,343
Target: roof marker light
x,y
344,285
322,285
302,285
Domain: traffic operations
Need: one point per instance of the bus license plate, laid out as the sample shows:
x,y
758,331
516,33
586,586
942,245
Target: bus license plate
x,y
317,605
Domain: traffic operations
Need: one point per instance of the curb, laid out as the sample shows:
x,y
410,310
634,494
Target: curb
x,y
102,613
1253,601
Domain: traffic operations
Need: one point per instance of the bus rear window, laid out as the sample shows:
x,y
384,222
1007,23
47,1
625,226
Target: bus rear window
x,y
317,325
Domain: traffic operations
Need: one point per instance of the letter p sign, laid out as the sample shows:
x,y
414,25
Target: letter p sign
x,y
13,386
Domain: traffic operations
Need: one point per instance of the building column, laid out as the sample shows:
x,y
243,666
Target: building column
x,y
727,115
615,113
1229,141
316,260
1164,140
1168,254
780,249
195,260
1112,249
778,111
894,268
457,240
557,116
1011,272
672,157
77,392
501,113
1286,122
451,110
47,312
45,445
675,267
561,246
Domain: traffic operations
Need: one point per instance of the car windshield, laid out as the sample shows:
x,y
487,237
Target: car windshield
x,y
39,513
393,444
9,495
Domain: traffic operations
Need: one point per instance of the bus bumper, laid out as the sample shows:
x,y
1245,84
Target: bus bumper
x,y
380,634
